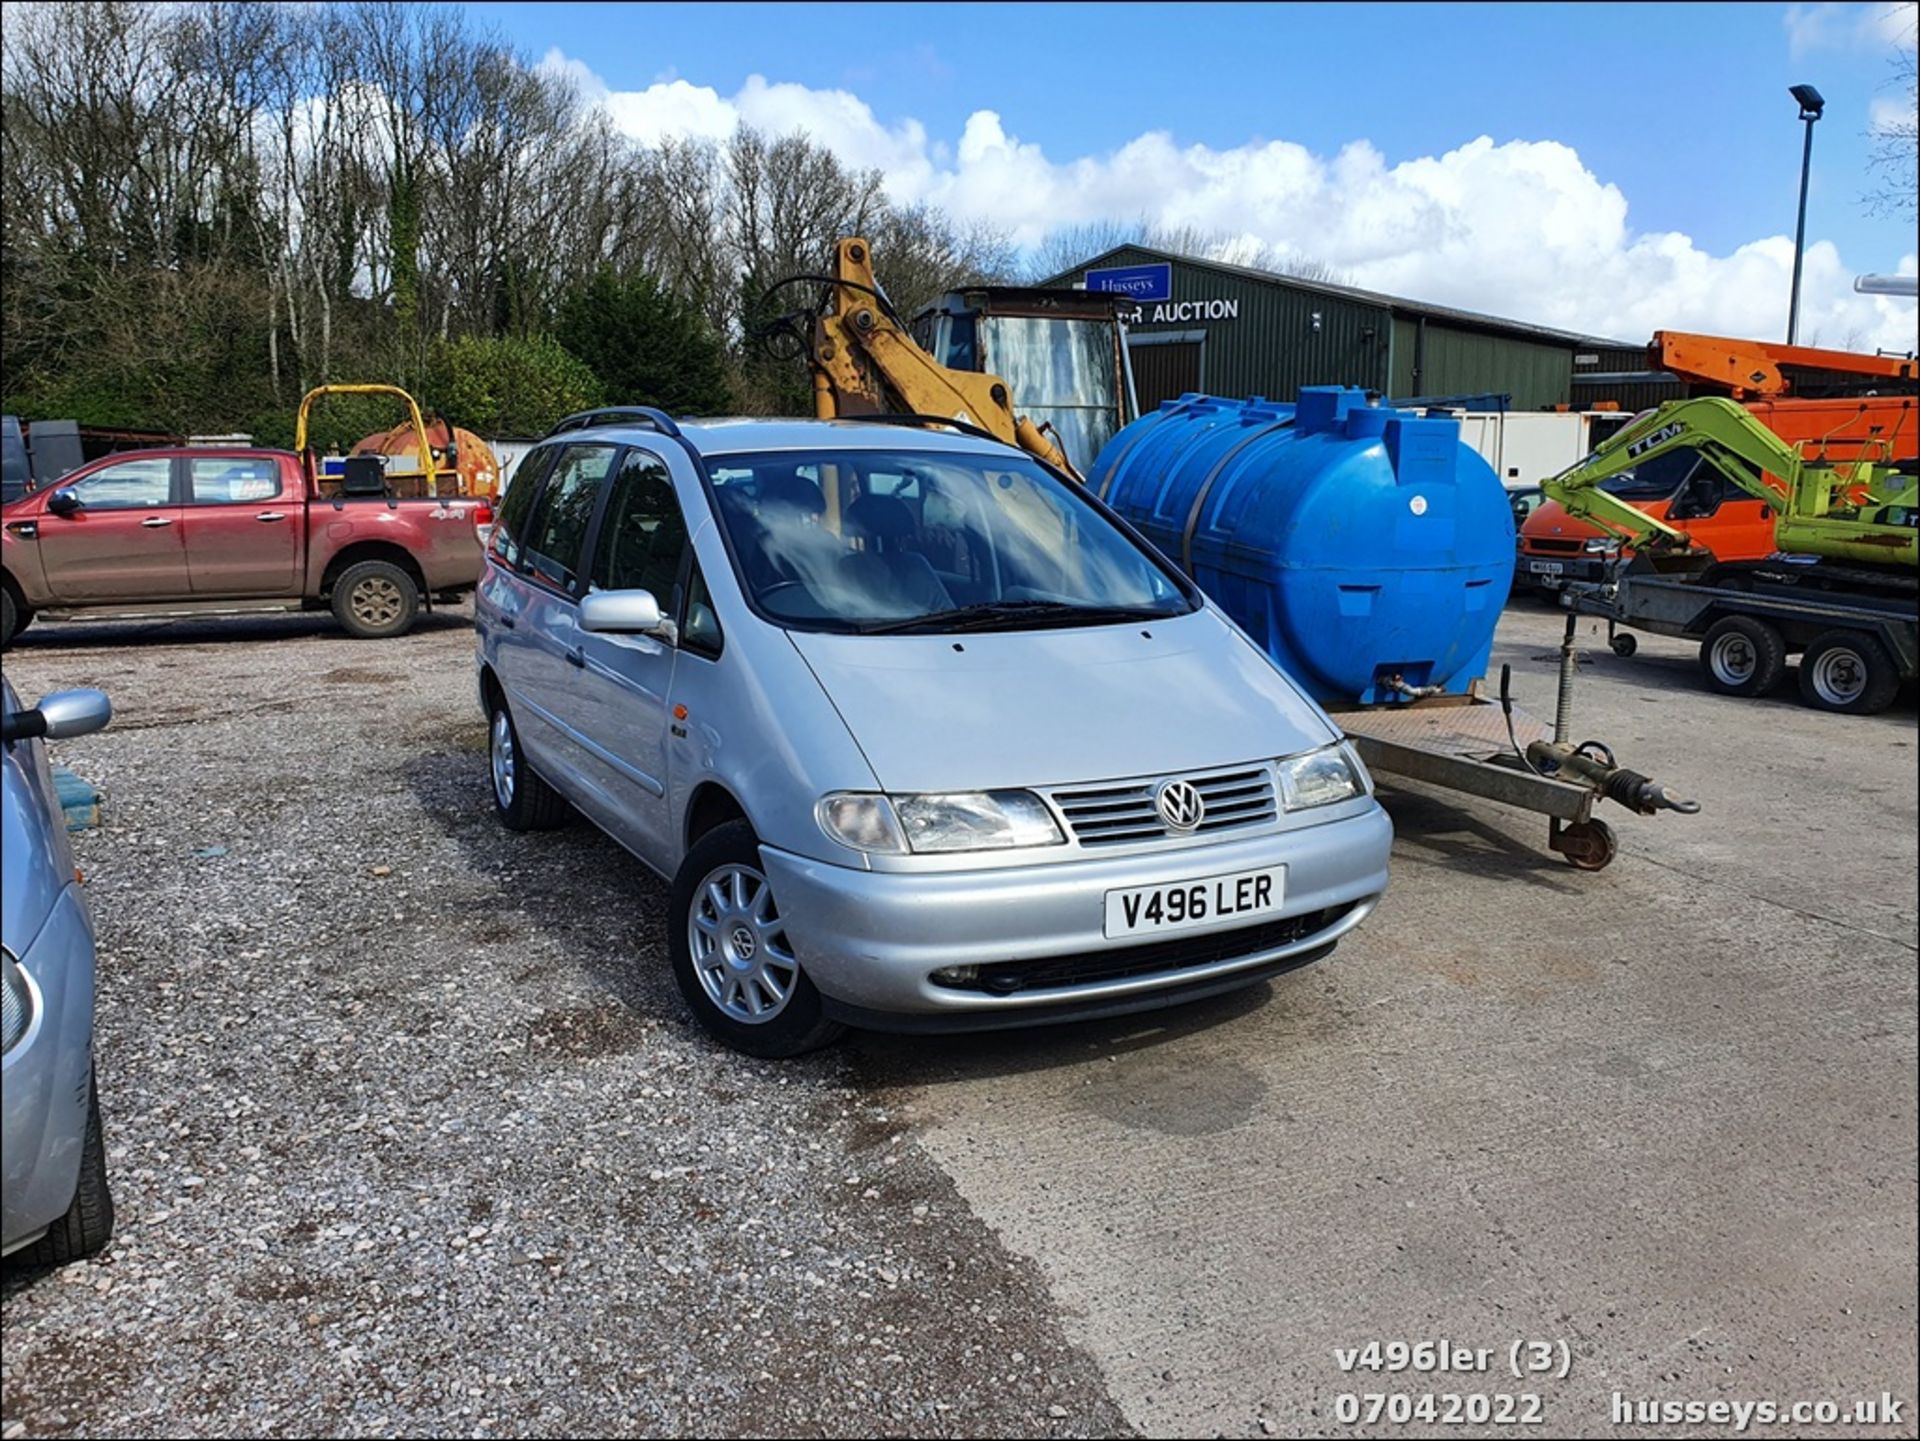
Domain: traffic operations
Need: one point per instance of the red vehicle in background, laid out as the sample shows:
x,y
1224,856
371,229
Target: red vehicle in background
x,y
401,524
228,529
1679,488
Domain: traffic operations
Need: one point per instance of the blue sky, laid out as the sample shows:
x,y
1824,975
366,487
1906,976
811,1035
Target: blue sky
x,y
1682,108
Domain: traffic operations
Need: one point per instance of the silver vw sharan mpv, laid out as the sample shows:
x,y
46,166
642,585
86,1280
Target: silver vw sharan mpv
x,y
923,735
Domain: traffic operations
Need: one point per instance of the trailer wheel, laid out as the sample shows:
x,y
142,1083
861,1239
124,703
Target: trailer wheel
x,y
1587,845
1624,645
1743,656
1848,671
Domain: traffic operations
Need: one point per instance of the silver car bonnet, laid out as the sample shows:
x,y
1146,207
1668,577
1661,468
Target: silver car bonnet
x,y
1052,707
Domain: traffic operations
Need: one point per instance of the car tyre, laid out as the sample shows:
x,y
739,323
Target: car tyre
x,y
729,979
1741,656
88,1224
521,799
14,617
375,600
1849,672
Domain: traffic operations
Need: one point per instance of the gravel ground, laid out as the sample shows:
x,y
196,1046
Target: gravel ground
x,y
408,1129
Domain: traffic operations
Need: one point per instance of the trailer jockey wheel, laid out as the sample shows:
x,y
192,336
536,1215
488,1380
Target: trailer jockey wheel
x,y
1587,845
1624,645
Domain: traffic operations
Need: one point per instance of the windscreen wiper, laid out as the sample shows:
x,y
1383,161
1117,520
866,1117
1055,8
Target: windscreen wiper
x,y
1011,615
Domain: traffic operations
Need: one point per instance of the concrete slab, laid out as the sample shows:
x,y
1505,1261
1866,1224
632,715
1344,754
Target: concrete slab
x,y
1665,1114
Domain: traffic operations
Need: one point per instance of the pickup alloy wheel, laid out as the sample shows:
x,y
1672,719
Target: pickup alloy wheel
x,y
376,599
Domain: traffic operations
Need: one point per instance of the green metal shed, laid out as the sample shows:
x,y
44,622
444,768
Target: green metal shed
x,y
1235,331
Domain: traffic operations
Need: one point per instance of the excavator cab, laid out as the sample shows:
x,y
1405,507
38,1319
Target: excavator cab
x,y
1063,353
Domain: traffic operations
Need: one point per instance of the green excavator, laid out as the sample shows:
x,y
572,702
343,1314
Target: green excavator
x,y
1845,524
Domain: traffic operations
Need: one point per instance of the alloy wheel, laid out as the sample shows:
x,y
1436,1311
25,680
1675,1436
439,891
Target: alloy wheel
x,y
739,944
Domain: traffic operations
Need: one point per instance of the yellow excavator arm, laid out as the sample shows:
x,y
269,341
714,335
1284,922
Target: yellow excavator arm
x,y
1859,511
865,363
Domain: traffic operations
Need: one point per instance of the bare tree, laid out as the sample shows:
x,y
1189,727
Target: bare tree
x,y
1894,158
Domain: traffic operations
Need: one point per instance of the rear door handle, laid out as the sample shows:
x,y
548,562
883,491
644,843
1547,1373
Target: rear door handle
x,y
506,622
271,515
575,659
154,522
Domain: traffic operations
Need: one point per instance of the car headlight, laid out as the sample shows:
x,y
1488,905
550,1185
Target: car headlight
x,y
1322,778
964,821
1601,544
16,1002
864,822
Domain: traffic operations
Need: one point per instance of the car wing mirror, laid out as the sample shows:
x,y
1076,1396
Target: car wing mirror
x,y
624,612
63,501
59,716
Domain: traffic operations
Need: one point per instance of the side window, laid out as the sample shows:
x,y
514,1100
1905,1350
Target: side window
x,y
130,485
558,530
510,520
516,506
232,479
642,533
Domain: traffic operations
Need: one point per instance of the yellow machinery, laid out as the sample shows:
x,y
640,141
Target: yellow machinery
x,y
462,464
864,362
1857,512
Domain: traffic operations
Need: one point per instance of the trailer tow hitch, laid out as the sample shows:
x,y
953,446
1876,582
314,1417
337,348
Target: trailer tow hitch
x,y
1587,844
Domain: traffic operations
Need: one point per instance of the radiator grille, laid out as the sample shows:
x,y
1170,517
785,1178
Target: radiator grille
x,y
1124,811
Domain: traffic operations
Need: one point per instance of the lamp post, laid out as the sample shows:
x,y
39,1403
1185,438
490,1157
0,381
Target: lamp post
x,y
1810,107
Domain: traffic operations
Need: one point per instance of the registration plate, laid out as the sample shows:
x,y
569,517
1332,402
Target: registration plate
x,y
1545,567
1188,905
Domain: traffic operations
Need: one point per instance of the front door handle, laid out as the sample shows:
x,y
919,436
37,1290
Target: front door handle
x,y
154,522
271,515
575,659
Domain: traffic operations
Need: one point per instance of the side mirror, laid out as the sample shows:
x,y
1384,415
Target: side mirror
x,y
624,612
60,716
63,501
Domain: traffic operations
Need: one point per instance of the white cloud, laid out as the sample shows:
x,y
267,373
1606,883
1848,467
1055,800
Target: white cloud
x,y
1844,27
1520,228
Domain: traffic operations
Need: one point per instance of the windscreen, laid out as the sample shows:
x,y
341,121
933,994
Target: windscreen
x,y
1061,373
862,540
1655,479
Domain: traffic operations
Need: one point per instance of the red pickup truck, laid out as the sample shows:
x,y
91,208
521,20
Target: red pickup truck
x,y
235,529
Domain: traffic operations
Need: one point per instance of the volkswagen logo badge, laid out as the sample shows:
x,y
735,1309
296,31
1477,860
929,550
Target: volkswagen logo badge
x,y
1180,805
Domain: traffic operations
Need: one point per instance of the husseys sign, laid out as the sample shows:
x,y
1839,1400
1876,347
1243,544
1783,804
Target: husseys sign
x,y
1151,288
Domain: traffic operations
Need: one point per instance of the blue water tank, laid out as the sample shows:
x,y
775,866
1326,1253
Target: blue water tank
x,y
1367,550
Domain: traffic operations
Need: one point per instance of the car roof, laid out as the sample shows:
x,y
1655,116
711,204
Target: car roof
x,y
737,435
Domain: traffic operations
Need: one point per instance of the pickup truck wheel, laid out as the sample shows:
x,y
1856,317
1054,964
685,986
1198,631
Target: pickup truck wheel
x,y
1743,656
88,1224
731,955
521,799
375,599
1849,672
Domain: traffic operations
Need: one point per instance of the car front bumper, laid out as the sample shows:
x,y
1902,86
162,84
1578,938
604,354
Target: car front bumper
x,y
48,1074
871,940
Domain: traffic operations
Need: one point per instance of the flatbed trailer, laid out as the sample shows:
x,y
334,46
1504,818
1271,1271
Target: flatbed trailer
x,y
1856,650
1487,746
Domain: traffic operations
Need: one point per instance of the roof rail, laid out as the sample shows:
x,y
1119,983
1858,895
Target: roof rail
x,y
647,415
